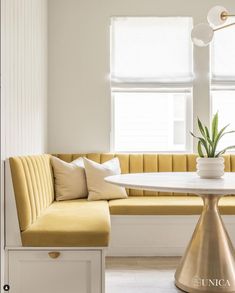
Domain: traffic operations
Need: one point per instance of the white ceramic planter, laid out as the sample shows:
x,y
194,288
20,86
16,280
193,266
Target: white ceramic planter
x,y
210,167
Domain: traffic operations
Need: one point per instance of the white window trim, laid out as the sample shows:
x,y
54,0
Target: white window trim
x,y
201,85
152,85
123,86
221,84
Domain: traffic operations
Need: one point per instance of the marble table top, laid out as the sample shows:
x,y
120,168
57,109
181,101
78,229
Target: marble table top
x,y
182,182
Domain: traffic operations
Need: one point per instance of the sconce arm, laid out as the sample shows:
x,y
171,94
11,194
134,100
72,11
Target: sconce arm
x,y
224,26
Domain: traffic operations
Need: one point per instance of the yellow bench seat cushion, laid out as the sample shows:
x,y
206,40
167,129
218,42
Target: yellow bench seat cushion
x,y
166,205
73,223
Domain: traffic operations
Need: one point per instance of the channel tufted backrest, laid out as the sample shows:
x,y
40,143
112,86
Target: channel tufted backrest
x,y
138,163
33,186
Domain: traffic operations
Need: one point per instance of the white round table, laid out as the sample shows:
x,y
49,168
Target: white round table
x,y
208,264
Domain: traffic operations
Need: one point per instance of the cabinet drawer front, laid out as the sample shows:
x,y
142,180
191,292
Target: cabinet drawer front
x,y
61,272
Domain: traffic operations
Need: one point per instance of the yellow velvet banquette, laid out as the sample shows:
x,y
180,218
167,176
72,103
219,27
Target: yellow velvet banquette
x,y
81,223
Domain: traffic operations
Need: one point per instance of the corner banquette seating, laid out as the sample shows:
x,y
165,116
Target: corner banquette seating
x,y
45,222
64,236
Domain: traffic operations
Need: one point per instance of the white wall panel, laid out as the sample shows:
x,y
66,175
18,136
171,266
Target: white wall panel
x,y
23,84
24,76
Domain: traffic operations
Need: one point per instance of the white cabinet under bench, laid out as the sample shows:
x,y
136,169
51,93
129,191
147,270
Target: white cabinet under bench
x,y
55,271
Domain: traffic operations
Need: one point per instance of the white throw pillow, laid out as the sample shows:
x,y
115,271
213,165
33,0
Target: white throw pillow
x,y
97,187
70,179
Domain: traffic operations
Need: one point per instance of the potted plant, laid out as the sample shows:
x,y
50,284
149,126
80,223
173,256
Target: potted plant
x,y
210,163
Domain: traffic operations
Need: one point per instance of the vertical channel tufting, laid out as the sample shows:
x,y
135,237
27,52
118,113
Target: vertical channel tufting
x,y
165,164
44,190
43,175
21,192
76,156
191,162
124,162
48,174
106,157
50,178
42,187
65,157
30,189
44,170
191,165
179,165
135,163
33,186
227,166
136,166
94,157
232,163
150,165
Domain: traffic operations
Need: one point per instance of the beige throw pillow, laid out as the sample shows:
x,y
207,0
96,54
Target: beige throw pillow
x,y
97,187
70,179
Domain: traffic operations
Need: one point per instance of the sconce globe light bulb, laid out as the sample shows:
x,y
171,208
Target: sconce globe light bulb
x,y
202,34
214,16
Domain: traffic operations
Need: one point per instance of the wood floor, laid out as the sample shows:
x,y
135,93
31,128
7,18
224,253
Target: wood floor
x,y
141,275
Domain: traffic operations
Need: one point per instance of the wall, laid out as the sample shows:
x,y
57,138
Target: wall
x,y
79,93
23,82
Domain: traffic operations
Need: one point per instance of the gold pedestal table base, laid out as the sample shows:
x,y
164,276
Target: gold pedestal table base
x,y
208,264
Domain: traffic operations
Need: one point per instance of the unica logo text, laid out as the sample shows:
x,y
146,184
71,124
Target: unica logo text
x,y
200,282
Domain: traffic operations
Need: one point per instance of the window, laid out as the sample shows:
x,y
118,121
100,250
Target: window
x,y
223,80
142,124
151,83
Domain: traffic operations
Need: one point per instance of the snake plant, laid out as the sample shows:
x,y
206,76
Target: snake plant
x,y
209,139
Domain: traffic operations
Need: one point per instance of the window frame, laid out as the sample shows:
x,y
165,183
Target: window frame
x,y
219,83
188,121
143,85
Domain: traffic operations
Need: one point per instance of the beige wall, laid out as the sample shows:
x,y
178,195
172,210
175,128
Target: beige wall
x,y
79,94
23,83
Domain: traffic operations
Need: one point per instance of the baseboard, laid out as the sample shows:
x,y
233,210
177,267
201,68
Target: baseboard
x,y
146,251
155,235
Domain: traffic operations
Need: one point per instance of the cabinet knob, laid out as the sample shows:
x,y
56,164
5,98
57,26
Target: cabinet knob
x,y
54,254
